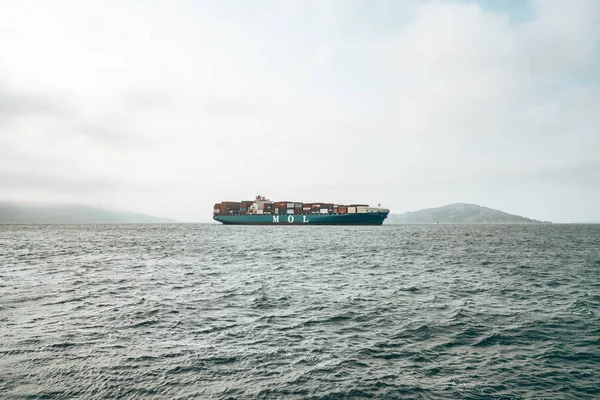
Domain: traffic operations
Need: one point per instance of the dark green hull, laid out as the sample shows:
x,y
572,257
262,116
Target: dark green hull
x,y
371,218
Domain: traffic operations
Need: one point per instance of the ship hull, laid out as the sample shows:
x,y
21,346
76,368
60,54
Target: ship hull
x,y
372,218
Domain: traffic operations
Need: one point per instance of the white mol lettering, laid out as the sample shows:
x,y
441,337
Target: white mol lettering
x,y
291,219
276,218
304,219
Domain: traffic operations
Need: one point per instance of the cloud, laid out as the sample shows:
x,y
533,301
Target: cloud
x,y
40,182
14,103
413,105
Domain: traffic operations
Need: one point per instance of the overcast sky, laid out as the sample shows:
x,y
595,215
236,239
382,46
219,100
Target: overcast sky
x,y
166,107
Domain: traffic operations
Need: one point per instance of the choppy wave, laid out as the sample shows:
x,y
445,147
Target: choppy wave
x,y
204,311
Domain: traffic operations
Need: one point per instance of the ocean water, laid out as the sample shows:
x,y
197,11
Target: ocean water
x,y
217,312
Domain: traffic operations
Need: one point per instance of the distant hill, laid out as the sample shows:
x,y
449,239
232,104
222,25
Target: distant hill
x,y
69,214
458,213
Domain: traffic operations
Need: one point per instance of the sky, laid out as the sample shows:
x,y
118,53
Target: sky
x,y
167,107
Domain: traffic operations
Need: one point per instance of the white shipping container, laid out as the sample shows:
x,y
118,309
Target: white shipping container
x,y
259,212
216,210
351,210
324,211
290,211
290,205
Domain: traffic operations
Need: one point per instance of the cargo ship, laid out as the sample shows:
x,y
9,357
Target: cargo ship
x,y
262,211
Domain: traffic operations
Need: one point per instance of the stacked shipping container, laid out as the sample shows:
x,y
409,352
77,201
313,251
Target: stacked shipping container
x,y
287,207
227,208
